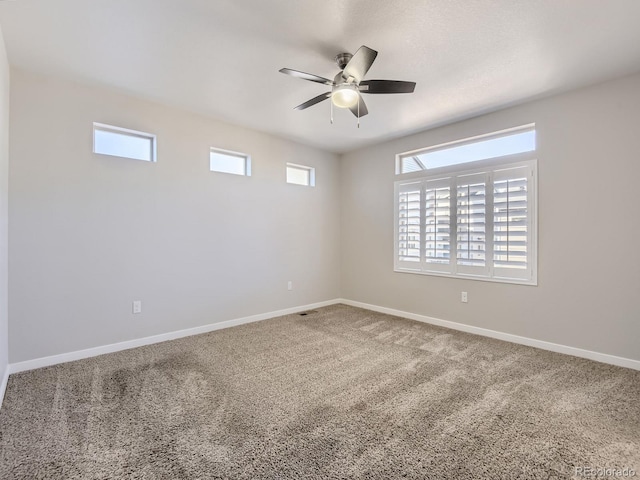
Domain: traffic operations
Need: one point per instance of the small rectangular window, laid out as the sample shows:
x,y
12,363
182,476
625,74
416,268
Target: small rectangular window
x,y
122,142
510,142
225,161
301,175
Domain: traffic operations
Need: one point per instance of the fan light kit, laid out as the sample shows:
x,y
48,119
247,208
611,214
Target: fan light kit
x,y
348,84
344,96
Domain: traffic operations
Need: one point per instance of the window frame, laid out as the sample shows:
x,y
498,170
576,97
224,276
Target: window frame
x,y
129,132
453,173
230,153
295,166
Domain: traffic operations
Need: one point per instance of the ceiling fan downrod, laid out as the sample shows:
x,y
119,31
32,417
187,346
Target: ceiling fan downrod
x,y
342,59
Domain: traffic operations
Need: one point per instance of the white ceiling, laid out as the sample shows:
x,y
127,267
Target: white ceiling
x,y
221,57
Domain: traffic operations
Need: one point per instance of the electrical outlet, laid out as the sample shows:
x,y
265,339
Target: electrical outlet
x,y
289,285
137,306
463,297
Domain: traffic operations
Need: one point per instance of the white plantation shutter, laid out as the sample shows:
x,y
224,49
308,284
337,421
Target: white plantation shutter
x,y
512,223
437,208
478,224
409,224
471,224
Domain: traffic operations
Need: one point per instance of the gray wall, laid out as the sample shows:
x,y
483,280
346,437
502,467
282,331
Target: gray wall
x,y
4,197
90,233
589,226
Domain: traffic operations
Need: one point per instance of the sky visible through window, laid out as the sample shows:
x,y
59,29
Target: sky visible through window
x,y
298,175
123,145
472,152
228,163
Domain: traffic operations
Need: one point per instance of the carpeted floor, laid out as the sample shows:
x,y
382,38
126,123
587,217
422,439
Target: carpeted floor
x,y
341,393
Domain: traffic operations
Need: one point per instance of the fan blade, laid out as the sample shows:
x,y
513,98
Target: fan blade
x,y
306,76
387,86
313,101
361,109
359,64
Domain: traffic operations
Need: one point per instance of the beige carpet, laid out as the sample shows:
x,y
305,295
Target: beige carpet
x,y
342,393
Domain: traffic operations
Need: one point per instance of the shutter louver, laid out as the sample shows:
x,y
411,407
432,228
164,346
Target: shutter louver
x,y
510,223
409,225
437,224
471,224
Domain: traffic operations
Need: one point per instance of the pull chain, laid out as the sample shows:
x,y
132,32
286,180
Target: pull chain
x,y
358,111
331,103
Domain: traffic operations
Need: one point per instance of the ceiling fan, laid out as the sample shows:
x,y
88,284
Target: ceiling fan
x,y
349,83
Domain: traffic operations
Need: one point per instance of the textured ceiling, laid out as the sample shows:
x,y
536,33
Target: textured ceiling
x,y
221,57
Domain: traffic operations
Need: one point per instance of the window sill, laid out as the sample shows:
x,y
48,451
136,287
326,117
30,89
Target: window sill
x,y
513,281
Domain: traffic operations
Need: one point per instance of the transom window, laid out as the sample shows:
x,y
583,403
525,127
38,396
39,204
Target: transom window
x,y
498,144
475,223
225,161
301,175
123,142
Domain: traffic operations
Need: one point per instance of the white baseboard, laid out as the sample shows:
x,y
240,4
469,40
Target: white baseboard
x,y
116,347
530,342
3,385
139,342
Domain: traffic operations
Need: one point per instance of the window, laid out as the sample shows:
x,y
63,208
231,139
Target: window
x,y
499,144
121,142
301,175
224,161
475,223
